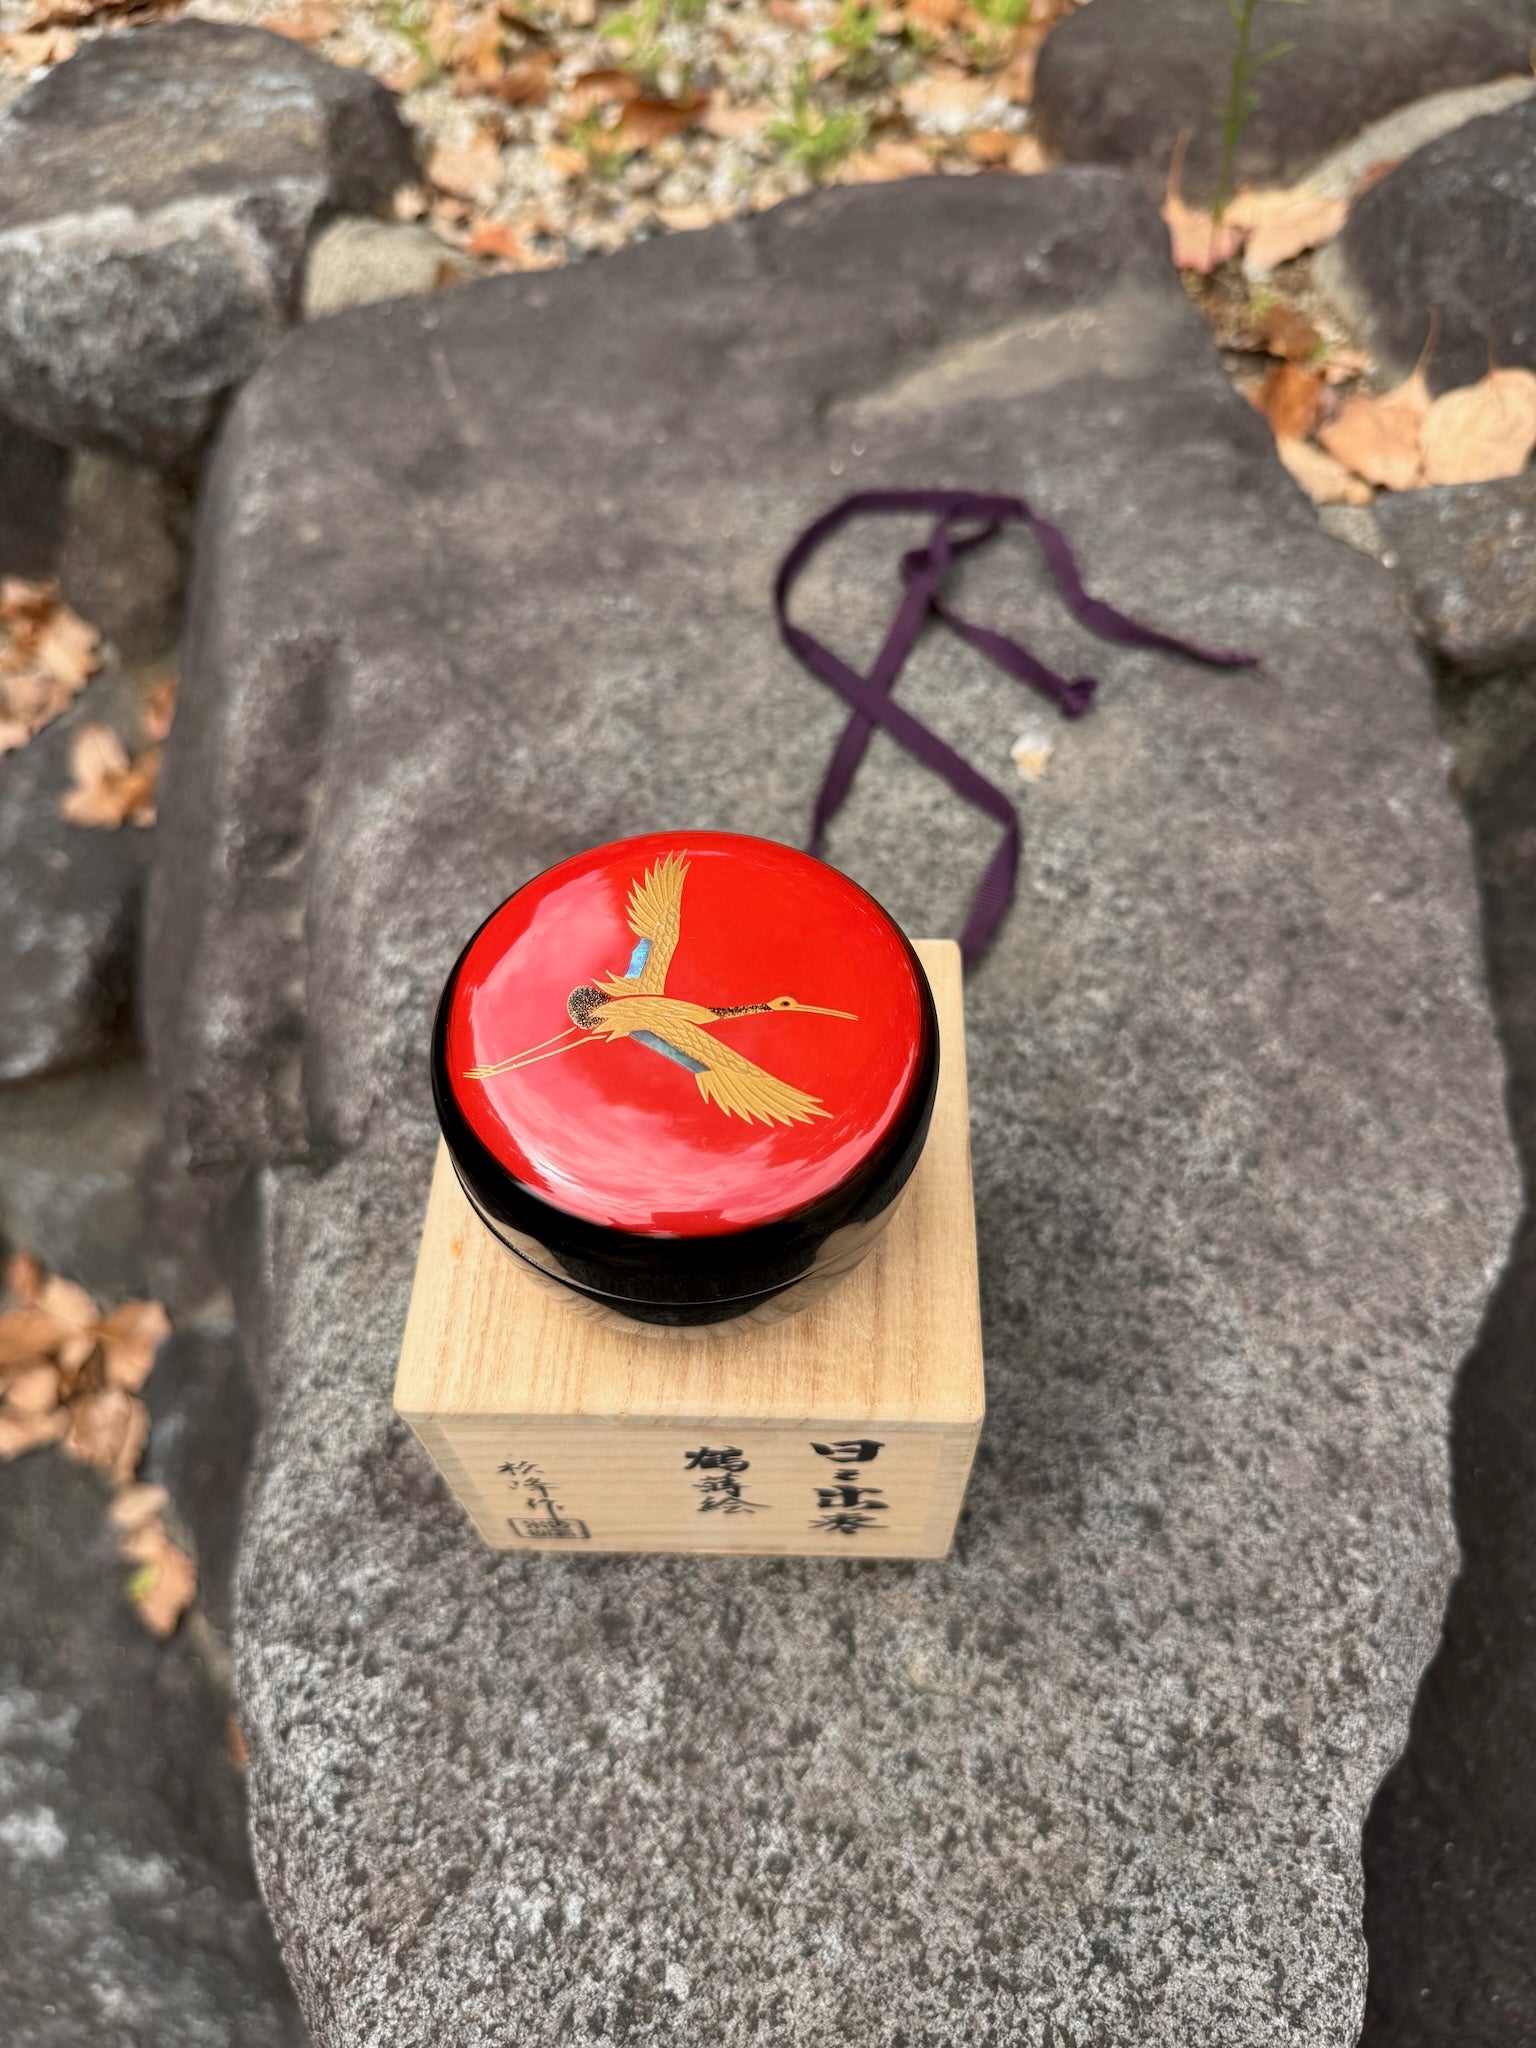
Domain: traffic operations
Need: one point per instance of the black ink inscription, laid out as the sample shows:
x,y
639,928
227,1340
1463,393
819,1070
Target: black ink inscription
x,y
855,1501
547,1521
719,1486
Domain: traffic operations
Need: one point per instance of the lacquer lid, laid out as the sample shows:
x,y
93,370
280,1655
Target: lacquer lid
x,y
684,1055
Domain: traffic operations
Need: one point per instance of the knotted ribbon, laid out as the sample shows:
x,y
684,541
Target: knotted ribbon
x,y
963,520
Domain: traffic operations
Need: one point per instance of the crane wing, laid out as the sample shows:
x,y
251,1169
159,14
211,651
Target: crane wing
x,y
655,918
731,1081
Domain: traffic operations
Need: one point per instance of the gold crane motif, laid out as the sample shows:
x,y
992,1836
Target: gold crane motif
x,y
635,1005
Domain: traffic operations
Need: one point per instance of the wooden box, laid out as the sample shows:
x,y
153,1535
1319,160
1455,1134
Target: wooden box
x,y
845,1430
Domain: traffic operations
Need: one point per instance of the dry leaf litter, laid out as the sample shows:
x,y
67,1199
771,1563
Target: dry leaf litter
x,y
549,131
72,1376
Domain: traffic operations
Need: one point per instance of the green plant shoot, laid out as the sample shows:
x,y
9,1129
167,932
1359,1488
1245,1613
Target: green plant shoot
x,y
1241,100
815,138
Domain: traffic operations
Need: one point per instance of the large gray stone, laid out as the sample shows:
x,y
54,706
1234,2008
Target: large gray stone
x,y
1468,555
1242,1172
156,195
32,485
1120,81
122,563
69,901
1450,1883
1447,242
72,1153
354,262
128,1914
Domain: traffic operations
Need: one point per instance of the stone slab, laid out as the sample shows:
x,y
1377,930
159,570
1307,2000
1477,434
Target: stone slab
x,y
1120,81
157,192
1450,1886
485,577
1448,240
1467,553
128,1913
69,899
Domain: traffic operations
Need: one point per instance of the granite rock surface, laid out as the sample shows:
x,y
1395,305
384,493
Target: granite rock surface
x,y
1120,81
355,261
1468,555
1450,1886
122,559
72,1151
157,192
128,1913
33,477
1449,239
1242,1171
69,901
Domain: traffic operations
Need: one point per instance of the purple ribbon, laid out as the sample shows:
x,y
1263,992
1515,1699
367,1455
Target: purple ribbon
x,y
985,514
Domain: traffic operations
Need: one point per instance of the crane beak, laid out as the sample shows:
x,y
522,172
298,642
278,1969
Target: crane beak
x,y
530,1057
816,1010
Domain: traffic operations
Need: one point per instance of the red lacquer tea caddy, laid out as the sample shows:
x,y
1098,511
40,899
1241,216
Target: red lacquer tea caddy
x,y
686,1076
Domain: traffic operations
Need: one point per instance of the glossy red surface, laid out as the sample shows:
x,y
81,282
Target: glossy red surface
x,y
609,1127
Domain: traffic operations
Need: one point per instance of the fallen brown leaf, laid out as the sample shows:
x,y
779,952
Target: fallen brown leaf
x,y
1198,242
1325,481
471,173
34,52
1281,331
935,17
69,1375
607,87
22,1433
108,1428
729,122
526,81
33,1391
313,22
477,51
25,603
157,709
566,162
165,1583
1280,225
496,238
1379,438
990,145
647,121
73,1311
1483,431
71,13
1290,398
1016,81
945,91
109,790
889,158
27,1336
1340,364
405,77
442,32
1027,157
24,1279
129,1338
688,219
136,1506
46,654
